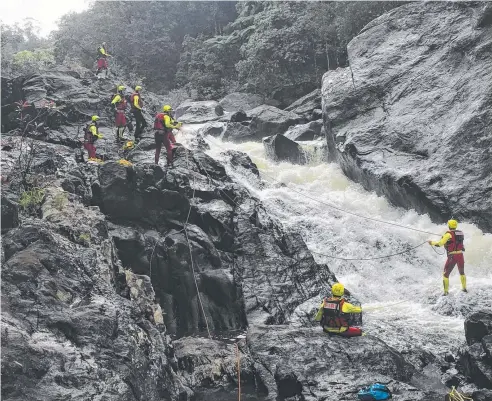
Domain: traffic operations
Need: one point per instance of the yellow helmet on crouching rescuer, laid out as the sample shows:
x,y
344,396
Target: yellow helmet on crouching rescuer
x,y
167,108
121,87
95,118
452,224
138,88
338,290
129,145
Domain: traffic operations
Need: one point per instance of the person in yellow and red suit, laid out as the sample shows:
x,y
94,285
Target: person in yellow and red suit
x,y
164,124
119,104
453,242
333,314
102,60
91,135
136,105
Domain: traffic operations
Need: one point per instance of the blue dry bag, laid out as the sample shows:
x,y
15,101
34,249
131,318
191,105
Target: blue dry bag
x,y
375,392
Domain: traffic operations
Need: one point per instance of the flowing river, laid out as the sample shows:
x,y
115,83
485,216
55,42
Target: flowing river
x,y
422,316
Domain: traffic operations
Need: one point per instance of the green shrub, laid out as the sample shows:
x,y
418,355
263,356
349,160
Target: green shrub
x,y
31,200
60,201
85,239
26,61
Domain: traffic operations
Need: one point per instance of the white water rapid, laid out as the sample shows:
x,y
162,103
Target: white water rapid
x,y
423,316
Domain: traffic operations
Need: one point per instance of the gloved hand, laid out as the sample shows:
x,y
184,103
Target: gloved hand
x,y
429,242
179,125
99,136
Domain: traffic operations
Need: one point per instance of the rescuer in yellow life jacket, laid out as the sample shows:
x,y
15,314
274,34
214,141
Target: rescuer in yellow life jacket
x,y
334,312
118,103
164,124
453,242
136,106
102,58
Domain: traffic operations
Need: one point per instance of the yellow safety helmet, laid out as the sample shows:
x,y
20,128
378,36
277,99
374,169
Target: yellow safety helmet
x,y
452,224
138,88
338,290
121,88
167,108
128,145
95,118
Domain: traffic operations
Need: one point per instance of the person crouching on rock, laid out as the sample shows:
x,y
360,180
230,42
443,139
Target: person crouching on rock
x,y
164,125
91,135
333,314
118,103
453,241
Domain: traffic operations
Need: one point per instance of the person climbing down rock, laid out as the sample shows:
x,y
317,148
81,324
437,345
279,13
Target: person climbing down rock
x,y
102,60
164,125
91,135
453,242
118,103
136,107
333,314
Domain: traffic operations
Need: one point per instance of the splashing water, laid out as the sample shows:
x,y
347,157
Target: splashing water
x,y
426,318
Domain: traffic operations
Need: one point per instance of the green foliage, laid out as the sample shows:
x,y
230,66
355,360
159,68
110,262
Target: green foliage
x,y
85,239
25,61
18,38
60,201
31,200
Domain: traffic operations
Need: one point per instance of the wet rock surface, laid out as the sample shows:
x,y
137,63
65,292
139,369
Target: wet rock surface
x,y
306,105
475,359
198,111
281,148
412,115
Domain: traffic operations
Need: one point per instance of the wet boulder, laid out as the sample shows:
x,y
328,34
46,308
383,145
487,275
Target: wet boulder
x,y
477,326
407,117
198,111
475,359
212,129
269,120
241,159
304,132
236,101
10,212
281,148
238,132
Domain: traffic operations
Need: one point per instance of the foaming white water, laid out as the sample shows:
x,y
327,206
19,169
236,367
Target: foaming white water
x,y
426,318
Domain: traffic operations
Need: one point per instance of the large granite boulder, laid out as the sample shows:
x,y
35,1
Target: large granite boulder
x,y
198,111
237,101
306,105
411,119
281,148
269,120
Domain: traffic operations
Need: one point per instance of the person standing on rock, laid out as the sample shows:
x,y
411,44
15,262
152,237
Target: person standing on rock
x,y
91,135
102,60
333,314
118,104
164,124
136,105
453,242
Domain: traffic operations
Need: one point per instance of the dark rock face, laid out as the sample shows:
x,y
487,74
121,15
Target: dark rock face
x,y
10,213
411,117
65,327
236,101
243,160
475,360
306,105
477,326
279,148
198,112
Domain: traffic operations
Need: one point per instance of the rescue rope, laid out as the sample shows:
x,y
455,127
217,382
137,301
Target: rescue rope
x,y
318,253
373,308
375,258
238,358
191,256
454,395
333,206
